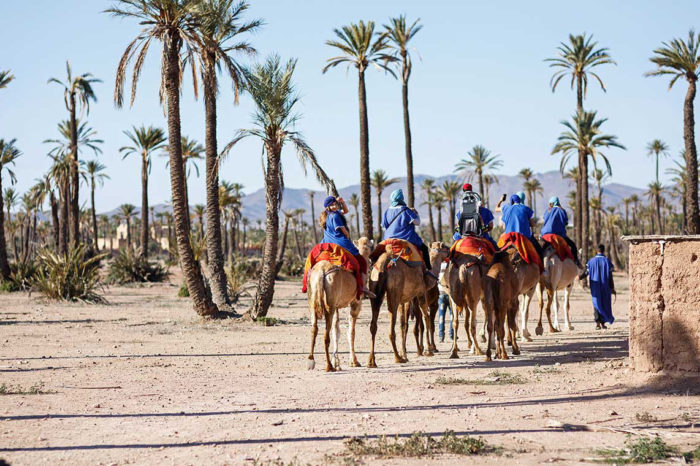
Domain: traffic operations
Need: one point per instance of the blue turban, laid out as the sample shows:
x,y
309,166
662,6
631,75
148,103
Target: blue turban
x,y
515,199
554,200
521,195
328,201
397,198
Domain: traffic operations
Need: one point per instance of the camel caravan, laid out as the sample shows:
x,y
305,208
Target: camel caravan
x,y
403,272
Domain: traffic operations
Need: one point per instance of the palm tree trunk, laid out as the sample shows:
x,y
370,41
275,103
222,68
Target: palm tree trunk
x,y
215,255
65,214
144,206
4,263
313,221
266,284
579,222
232,240
407,134
439,225
481,181
201,299
94,215
691,162
585,208
431,223
283,246
379,214
365,192
357,222
657,200
452,217
128,232
54,218
75,177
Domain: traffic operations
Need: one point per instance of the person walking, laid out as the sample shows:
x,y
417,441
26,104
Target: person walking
x,y
600,280
443,307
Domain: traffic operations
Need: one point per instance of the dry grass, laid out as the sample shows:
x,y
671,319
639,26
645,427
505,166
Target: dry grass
x,y
493,378
418,445
36,389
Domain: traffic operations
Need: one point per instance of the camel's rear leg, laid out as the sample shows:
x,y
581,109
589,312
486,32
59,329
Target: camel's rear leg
x,y
567,307
336,334
425,326
393,310
310,363
327,341
540,299
550,300
403,319
525,315
455,327
432,348
476,350
355,308
372,362
513,326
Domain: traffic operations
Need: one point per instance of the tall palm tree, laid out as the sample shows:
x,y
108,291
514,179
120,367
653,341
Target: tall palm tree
x,y
681,59
355,203
361,46
450,191
380,181
400,34
657,148
191,153
199,212
679,178
126,213
428,187
5,78
270,86
526,175
77,94
489,180
577,59
313,215
220,27
533,188
479,161
626,201
8,154
95,172
654,194
439,203
144,142
173,23
583,135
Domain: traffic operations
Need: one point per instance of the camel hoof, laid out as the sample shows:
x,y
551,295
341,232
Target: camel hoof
x,y
504,357
310,364
400,360
355,363
483,338
454,355
571,327
330,369
516,351
428,354
488,359
554,330
478,352
372,365
434,349
419,353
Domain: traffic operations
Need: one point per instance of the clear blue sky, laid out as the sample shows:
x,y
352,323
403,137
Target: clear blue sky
x,y
479,78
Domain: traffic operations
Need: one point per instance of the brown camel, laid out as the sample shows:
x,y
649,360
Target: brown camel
x,y
331,288
400,282
500,301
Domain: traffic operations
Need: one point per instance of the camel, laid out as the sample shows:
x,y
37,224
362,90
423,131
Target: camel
x,y
331,288
400,282
464,280
500,301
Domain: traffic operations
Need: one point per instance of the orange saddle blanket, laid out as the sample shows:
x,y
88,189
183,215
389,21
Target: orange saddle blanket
x,y
336,255
398,248
524,247
561,247
474,246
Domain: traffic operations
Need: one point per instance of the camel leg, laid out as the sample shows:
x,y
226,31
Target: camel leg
x,y
403,322
336,334
555,297
327,342
418,337
567,308
455,326
476,350
432,347
467,321
524,316
426,325
540,300
550,298
373,331
484,328
352,321
393,310
513,327
500,335
310,363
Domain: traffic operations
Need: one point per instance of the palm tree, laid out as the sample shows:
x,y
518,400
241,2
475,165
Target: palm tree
x,y
77,92
361,47
355,203
5,78
657,148
439,203
399,35
144,141
626,201
271,88
199,211
173,23
313,215
219,26
380,181
450,191
654,194
577,59
8,154
428,187
634,199
94,171
191,153
10,198
478,162
681,59
489,179
126,213
679,178
533,187
583,136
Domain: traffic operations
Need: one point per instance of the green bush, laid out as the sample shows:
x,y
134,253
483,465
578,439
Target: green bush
x,y
21,276
183,292
73,277
128,267
238,274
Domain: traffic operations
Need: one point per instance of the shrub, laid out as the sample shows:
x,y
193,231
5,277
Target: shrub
x,y
21,276
417,445
183,292
129,267
238,274
641,450
71,277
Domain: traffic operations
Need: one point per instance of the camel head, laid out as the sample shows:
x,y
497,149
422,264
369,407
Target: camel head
x,y
438,251
365,246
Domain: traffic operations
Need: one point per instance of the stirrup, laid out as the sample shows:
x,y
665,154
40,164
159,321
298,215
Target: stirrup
x,y
367,294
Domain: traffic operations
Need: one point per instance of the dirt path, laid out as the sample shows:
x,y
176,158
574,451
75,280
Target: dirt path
x,y
143,381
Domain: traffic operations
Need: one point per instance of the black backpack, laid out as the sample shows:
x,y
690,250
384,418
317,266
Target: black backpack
x,y
470,222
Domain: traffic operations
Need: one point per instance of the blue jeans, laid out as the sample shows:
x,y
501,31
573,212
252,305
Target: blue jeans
x,y
443,306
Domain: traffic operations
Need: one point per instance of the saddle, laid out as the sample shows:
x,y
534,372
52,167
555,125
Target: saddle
x,y
398,249
560,246
473,246
336,255
526,250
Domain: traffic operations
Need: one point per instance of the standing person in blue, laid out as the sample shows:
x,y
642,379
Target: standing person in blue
x,y
517,218
600,279
443,307
486,219
400,222
555,222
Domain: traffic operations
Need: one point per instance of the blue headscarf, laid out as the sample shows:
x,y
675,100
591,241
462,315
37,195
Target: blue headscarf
x,y
515,199
328,201
521,195
554,200
397,198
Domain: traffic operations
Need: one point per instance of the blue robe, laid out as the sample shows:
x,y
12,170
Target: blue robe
x,y
332,233
600,272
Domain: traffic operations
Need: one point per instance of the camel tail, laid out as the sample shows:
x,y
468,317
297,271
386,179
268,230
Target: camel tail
x,y
318,294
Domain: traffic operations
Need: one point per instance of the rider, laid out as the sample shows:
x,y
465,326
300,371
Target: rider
x,y
486,219
517,218
400,222
555,222
335,230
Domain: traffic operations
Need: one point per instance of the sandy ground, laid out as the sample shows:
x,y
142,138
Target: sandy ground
x,y
144,381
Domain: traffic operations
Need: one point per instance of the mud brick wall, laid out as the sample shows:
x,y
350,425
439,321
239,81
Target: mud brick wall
x,y
665,305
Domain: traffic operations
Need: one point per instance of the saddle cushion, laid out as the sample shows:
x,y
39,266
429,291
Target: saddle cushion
x,y
473,246
561,247
336,255
523,245
398,248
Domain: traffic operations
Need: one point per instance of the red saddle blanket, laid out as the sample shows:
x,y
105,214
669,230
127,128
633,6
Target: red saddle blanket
x,y
474,246
336,255
524,247
561,247
398,248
